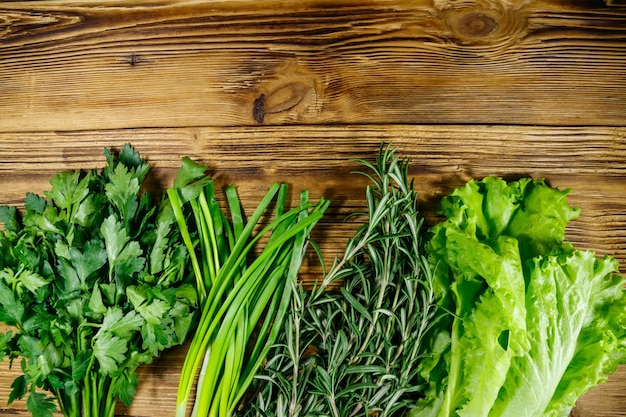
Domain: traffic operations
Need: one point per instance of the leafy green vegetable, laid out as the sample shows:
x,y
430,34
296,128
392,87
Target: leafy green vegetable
x,y
536,322
95,281
244,283
355,350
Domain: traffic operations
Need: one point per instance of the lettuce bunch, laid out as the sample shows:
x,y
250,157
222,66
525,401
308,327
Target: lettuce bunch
x,y
535,322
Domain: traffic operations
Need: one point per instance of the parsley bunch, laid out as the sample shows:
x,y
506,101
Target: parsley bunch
x,y
94,281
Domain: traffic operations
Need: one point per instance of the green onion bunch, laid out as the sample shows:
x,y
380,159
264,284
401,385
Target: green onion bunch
x,y
245,271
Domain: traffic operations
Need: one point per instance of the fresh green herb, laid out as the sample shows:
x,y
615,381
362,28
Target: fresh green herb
x,y
356,351
93,282
244,294
536,322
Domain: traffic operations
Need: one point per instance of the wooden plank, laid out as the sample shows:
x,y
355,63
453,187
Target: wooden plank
x,y
87,65
608,400
590,161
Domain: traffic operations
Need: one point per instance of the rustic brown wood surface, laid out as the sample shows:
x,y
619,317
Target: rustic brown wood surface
x,y
292,91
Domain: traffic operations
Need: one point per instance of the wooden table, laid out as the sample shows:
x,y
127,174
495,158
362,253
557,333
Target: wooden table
x,y
293,90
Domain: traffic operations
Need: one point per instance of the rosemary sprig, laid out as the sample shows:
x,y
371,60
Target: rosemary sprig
x,y
356,351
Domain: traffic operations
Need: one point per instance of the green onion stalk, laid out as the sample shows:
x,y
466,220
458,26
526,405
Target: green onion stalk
x,y
244,289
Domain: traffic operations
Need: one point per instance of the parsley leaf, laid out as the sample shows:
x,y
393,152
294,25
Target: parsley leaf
x,y
9,219
121,251
11,310
110,351
122,191
40,405
68,189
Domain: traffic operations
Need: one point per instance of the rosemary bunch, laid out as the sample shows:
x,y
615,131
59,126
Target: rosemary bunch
x,y
356,351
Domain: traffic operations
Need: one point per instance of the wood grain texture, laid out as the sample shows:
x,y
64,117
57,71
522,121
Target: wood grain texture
x,y
294,91
70,65
590,161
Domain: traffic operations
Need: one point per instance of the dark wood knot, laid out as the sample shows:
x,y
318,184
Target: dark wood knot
x,y
282,99
476,25
258,111
484,26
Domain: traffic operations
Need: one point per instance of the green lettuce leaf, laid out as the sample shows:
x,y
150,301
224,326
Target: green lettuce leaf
x,y
535,323
576,331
